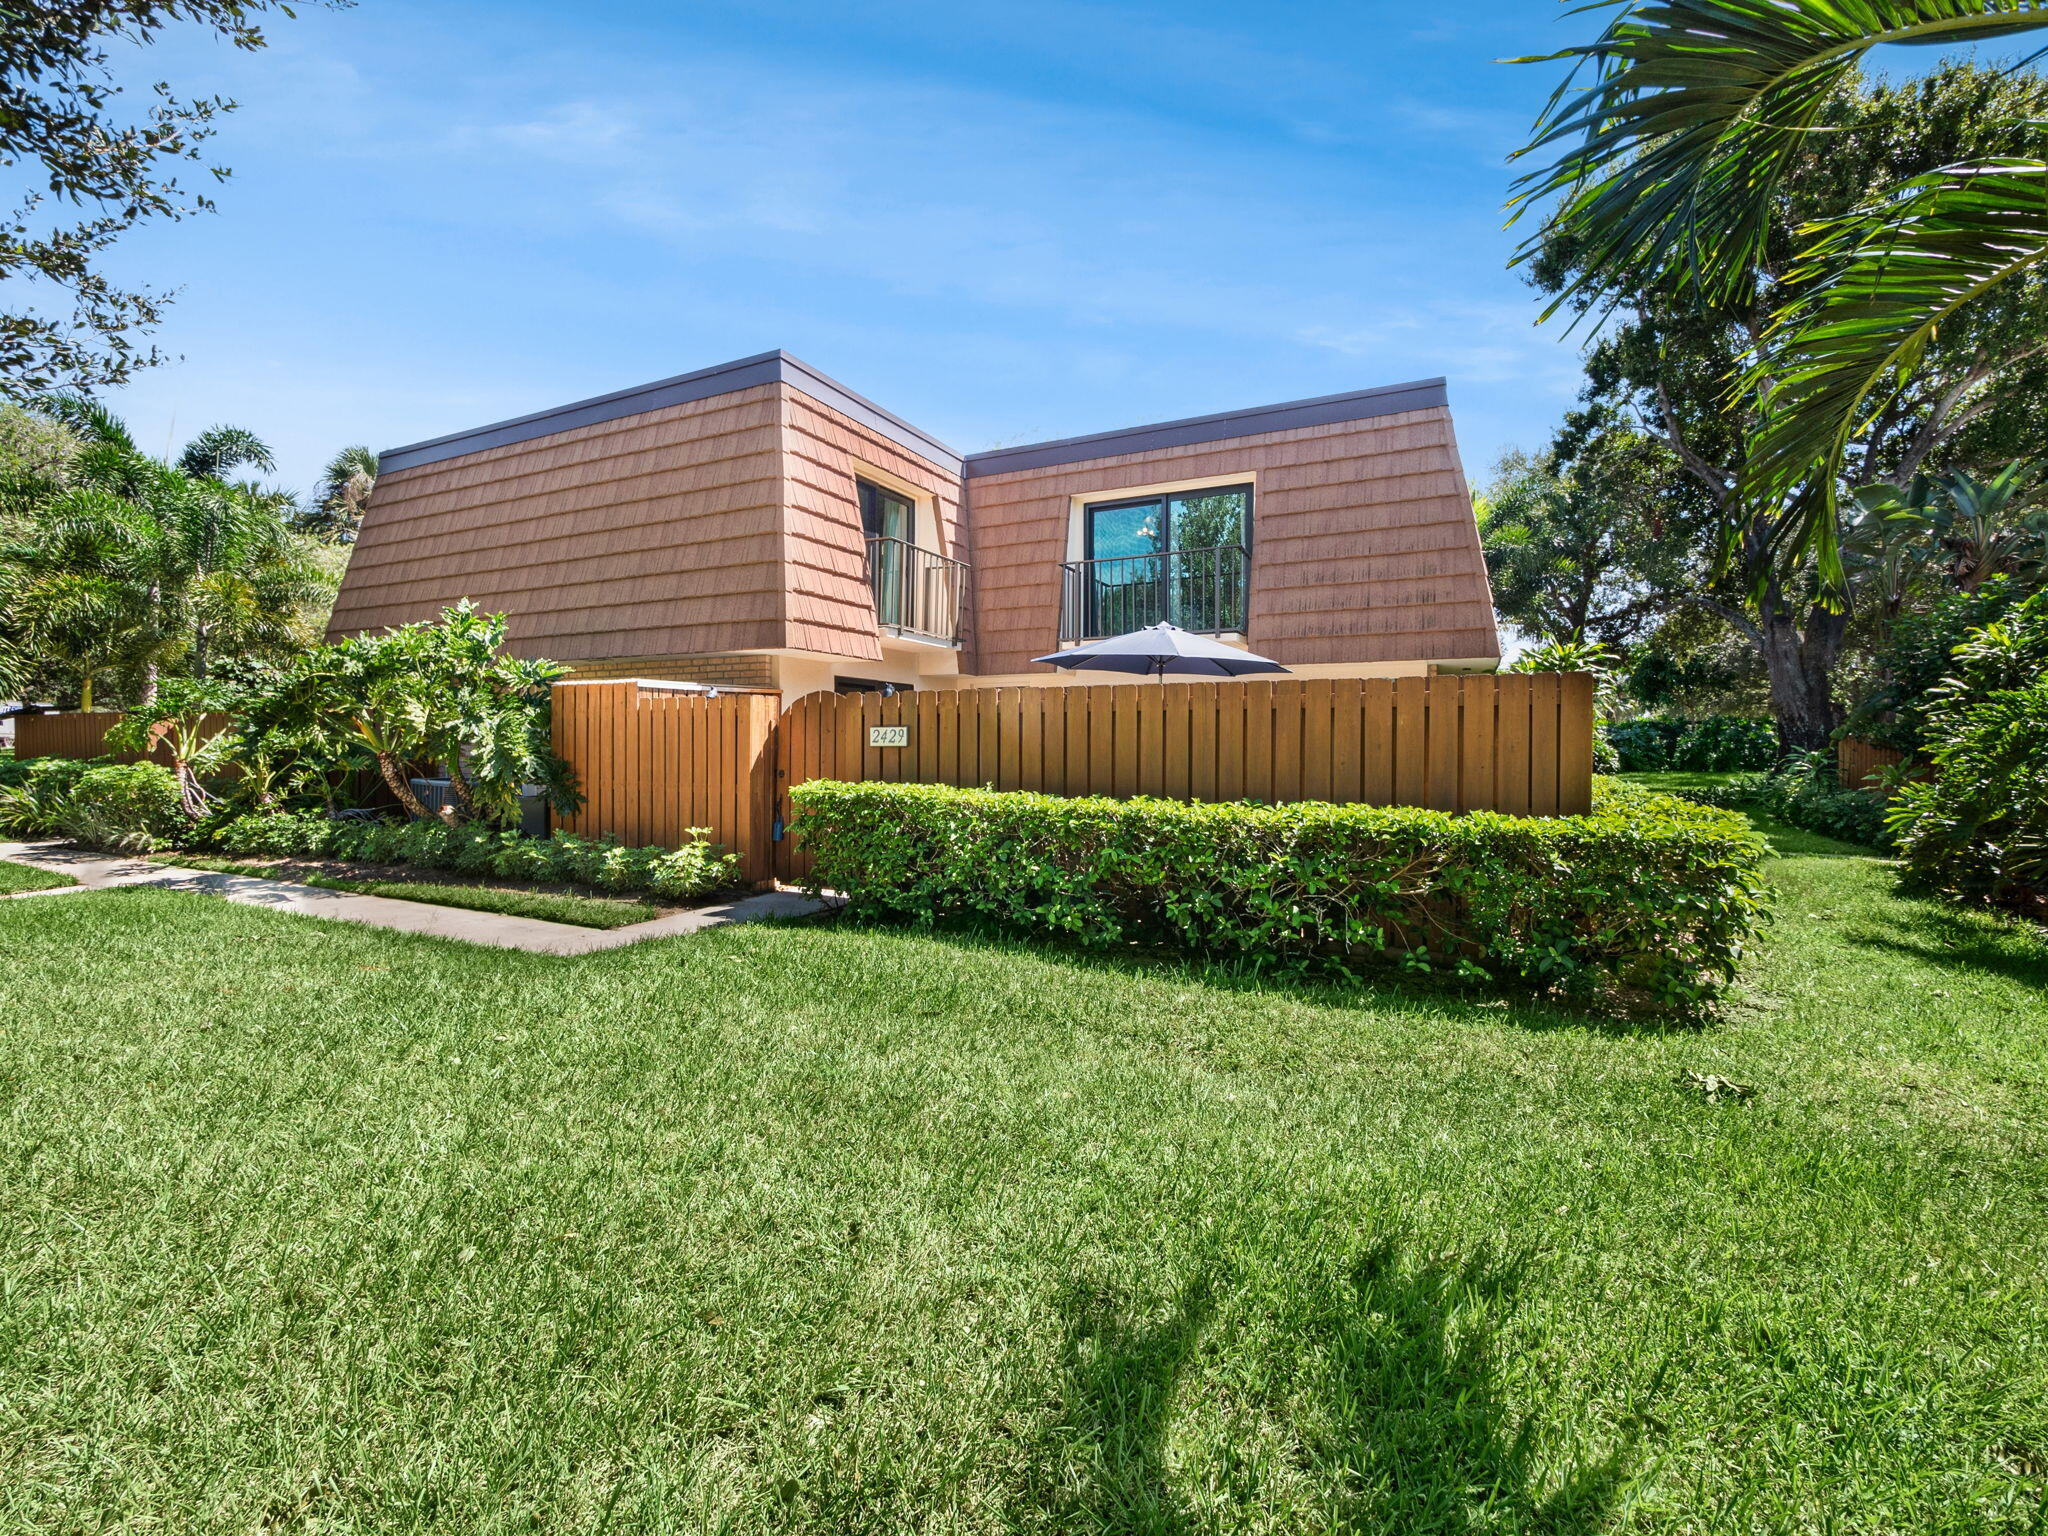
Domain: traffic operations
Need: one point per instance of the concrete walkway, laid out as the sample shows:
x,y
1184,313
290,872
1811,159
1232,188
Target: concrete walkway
x,y
98,872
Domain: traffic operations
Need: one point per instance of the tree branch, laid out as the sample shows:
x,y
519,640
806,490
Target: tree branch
x,y
1716,482
1735,616
1943,427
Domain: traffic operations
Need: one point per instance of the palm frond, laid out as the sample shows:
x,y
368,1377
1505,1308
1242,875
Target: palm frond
x,y
217,450
1893,276
88,418
1695,111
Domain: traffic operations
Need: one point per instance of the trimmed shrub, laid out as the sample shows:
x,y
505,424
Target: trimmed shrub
x,y
1712,744
128,806
1648,894
472,848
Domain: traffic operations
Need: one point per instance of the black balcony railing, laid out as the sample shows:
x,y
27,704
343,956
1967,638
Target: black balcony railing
x,y
916,591
1199,589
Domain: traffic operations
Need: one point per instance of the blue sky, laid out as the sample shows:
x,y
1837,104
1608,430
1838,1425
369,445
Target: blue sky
x,y
1004,222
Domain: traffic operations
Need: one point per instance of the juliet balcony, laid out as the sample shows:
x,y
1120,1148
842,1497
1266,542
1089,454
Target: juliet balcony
x,y
918,593
1202,590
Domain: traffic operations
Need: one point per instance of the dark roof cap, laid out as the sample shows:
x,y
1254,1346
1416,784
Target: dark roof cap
x,y
1323,410
776,367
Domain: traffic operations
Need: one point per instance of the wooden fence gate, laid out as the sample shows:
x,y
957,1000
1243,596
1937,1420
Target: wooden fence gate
x,y
653,762
1520,744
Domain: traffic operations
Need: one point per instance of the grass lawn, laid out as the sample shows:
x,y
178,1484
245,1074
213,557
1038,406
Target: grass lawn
x,y
15,878
1672,781
452,891
811,1229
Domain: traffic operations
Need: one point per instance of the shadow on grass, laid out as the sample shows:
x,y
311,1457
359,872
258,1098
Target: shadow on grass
x,y
1790,842
1394,1407
1964,939
1378,990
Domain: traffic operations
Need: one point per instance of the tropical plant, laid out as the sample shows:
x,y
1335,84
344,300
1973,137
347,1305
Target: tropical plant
x,y
1977,826
34,794
1667,348
1958,529
184,723
336,511
440,694
1917,657
149,566
1696,113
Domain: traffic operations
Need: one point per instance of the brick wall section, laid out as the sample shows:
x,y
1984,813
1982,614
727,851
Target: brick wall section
x,y
719,671
652,535
830,607
1364,547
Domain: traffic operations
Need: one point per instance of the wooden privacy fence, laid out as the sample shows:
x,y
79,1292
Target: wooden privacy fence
x,y
652,762
1519,744
1857,760
85,735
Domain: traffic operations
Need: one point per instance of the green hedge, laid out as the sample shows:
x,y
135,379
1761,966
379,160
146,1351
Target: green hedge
x,y
1648,893
1712,744
692,870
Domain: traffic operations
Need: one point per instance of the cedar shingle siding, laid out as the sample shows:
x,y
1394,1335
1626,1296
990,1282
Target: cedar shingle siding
x,y
668,538
830,607
1363,543
653,535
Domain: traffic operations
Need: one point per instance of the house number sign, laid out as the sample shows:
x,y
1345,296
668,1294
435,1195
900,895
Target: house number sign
x,y
888,735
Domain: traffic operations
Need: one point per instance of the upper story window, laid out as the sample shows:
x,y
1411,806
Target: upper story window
x,y
1211,518
886,515
1178,557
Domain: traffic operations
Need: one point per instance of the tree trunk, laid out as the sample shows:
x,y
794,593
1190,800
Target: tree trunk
x,y
393,773
85,695
145,695
1800,663
463,795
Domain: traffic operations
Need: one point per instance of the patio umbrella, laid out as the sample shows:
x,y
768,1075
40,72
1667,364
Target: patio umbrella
x,y
1161,649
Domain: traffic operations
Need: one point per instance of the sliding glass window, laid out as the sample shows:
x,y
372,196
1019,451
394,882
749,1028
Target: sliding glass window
x,y
890,523
1178,558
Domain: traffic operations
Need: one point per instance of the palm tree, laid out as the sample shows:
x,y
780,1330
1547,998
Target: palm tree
x,y
64,601
145,564
1677,150
345,486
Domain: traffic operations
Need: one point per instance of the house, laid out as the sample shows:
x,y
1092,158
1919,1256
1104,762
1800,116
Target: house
x,y
758,524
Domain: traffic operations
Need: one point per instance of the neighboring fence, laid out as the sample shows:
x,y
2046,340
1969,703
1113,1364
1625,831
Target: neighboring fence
x,y
1519,744
86,736
652,763
1857,761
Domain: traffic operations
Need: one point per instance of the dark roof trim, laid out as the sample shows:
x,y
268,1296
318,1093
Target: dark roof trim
x,y
1322,411
776,367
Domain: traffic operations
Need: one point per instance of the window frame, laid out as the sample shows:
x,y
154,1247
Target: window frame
x,y
1163,500
865,489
